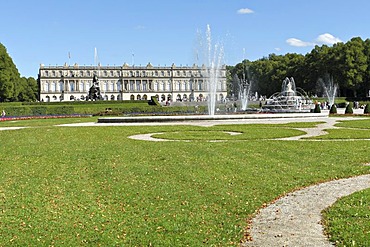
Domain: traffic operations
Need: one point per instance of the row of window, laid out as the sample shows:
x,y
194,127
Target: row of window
x,y
131,85
162,98
124,73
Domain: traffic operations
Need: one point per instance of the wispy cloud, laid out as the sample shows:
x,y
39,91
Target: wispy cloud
x,y
298,42
245,11
325,38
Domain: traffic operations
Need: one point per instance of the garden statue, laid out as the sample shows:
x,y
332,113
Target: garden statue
x,y
94,91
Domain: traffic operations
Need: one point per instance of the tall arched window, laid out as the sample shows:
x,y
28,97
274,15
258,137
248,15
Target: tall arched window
x,y
168,86
144,85
53,86
81,86
72,86
46,86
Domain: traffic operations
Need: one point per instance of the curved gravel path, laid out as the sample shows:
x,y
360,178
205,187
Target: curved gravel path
x,y
294,220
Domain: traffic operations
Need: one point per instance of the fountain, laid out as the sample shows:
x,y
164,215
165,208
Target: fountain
x,y
212,58
244,89
289,99
330,89
94,91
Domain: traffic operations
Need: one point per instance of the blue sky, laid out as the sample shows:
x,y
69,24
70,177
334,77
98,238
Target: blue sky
x,y
165,31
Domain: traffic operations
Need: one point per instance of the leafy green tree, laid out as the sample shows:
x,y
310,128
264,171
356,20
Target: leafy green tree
x,y
9,76
27,89
355,65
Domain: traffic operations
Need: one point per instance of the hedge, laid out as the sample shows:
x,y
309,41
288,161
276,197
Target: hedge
x,y
38,110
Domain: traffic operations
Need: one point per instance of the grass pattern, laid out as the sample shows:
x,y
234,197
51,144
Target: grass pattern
x,y
76,186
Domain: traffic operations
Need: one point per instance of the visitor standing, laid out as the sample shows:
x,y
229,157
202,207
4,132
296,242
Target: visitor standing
x,y
3,114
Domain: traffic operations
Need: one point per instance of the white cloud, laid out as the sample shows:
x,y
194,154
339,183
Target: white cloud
x,y
327,38
298,42
277,49
245,11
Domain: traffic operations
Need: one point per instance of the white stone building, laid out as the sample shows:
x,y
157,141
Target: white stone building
x,y
185,83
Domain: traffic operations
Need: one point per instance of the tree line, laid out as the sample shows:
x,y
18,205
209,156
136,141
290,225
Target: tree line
x,y
348,64
13,87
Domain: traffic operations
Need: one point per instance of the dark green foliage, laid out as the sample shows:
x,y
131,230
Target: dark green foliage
x,y
38,110
9,77
367,109
12,86
348,63
349,109
317,109
333,109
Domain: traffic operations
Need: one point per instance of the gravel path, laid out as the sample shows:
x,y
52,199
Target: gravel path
x,y
294,220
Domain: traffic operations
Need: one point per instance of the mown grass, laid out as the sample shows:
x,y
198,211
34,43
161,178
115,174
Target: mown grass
x,y
359,124
354,129
76,186
45,122
348,220
230,133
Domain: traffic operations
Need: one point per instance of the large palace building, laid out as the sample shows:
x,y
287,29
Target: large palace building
x,y
185,83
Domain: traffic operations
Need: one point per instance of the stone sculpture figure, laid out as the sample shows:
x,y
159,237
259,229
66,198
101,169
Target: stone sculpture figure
x,y
94,91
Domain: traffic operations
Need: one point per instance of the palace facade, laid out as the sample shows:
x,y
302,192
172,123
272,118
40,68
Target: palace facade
x,y
72,82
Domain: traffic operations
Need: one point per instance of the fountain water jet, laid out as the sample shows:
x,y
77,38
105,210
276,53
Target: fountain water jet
x,y
330,89
213,55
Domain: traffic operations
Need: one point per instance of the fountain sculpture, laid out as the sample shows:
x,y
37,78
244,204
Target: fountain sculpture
x,y
94,91
289,99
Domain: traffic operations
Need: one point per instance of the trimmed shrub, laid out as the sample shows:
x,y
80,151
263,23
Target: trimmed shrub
x,y
153,101
28,110
349,109
317,109
333,109
367,109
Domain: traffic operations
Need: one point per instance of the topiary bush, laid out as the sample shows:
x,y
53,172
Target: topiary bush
x,y
349,109
367,109
333,109
317,109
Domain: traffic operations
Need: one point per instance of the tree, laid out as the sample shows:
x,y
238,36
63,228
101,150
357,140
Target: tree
x,y
355,64
27,89
9,76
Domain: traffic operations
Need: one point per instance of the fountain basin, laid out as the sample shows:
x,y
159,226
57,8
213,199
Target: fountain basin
x,y
182,118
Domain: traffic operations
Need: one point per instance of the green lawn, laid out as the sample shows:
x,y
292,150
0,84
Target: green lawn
x,y
348,220
77,186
